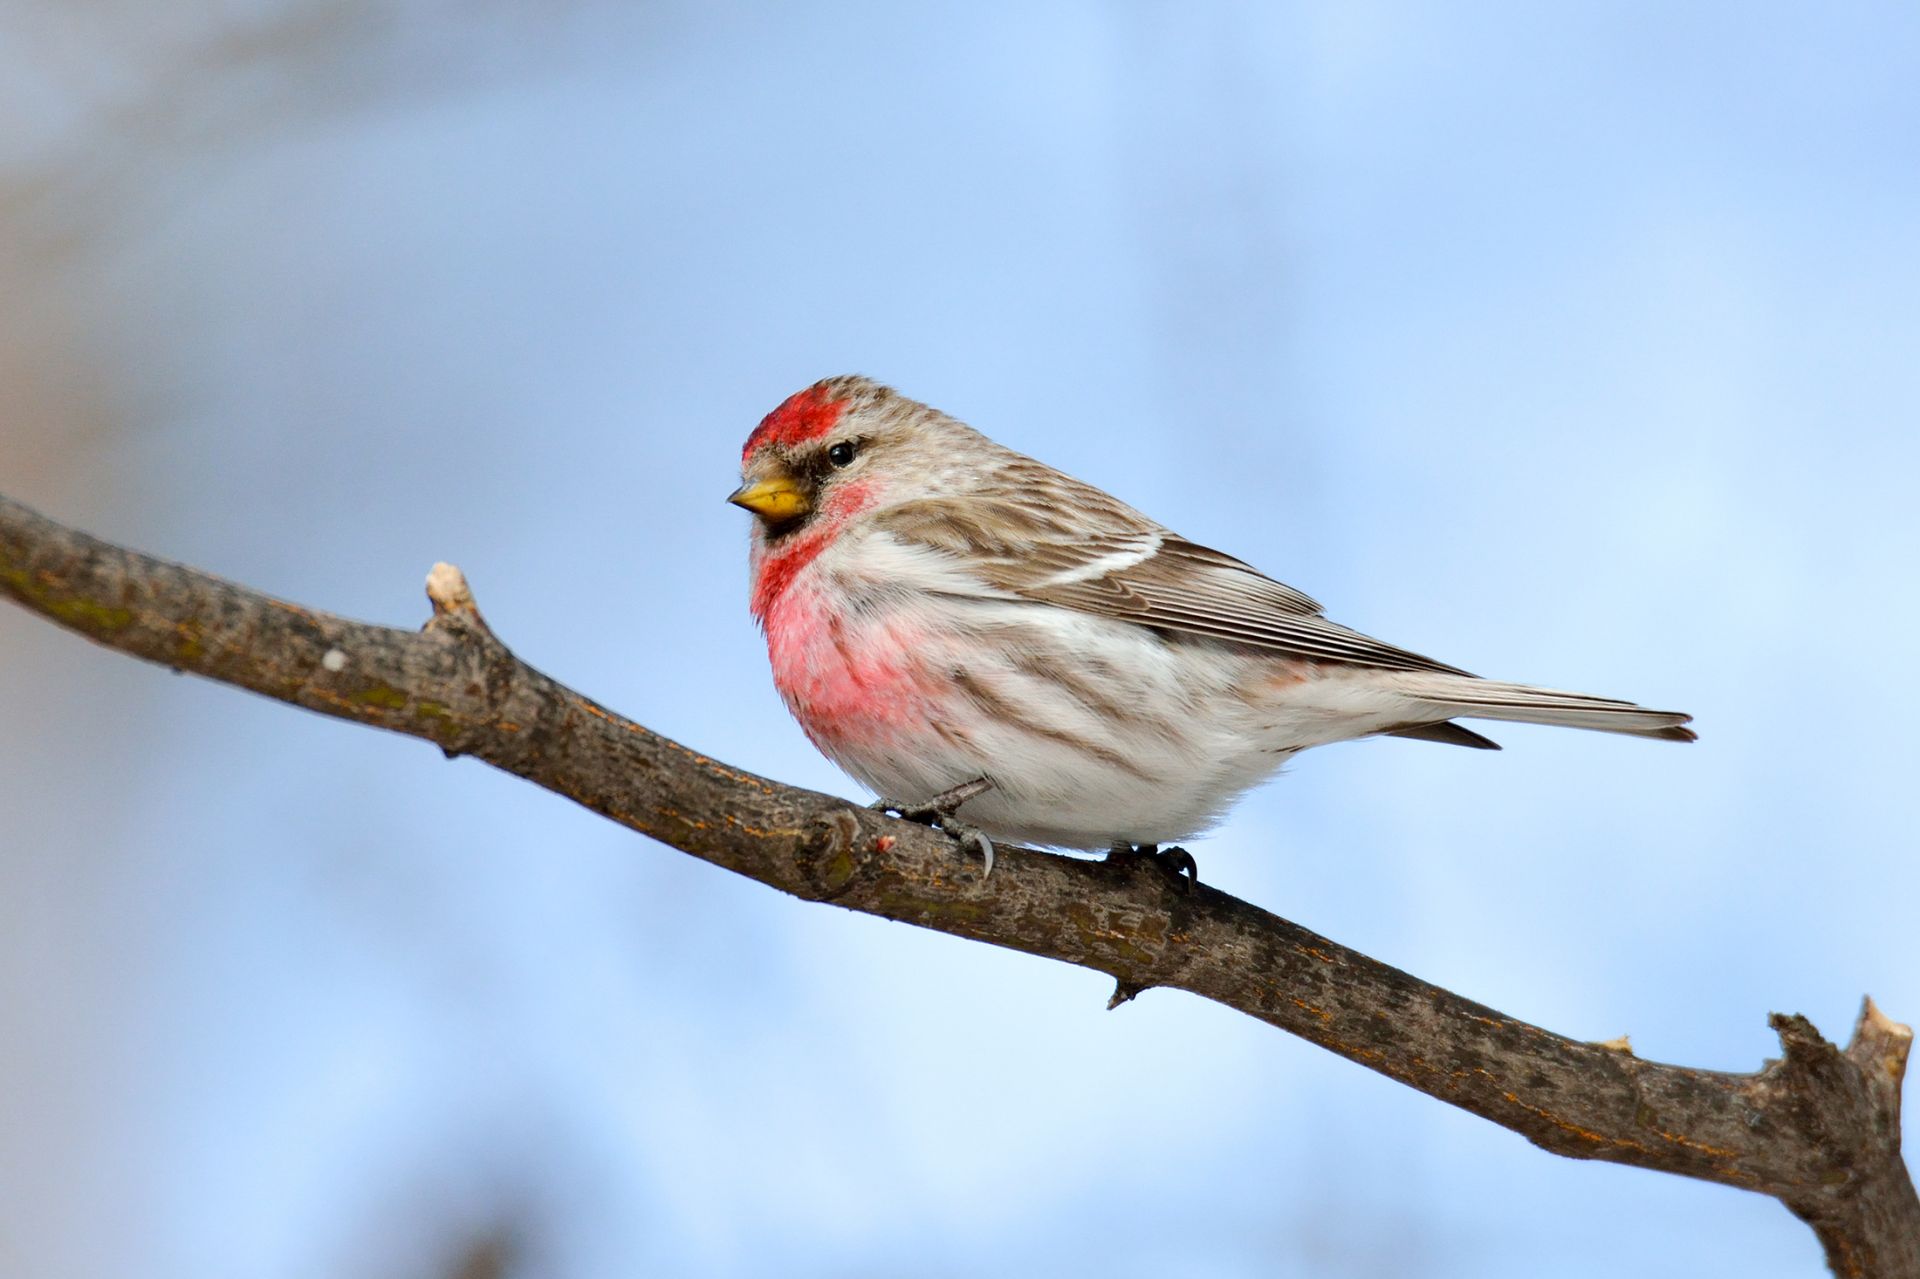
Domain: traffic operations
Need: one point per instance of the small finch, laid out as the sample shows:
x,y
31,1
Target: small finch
x,y
961,627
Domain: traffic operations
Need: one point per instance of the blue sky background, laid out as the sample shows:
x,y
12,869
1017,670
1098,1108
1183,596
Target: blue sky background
x,y
1573,344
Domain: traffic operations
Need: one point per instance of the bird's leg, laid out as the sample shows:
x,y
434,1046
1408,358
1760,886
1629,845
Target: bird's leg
x,y
938,813
1175,861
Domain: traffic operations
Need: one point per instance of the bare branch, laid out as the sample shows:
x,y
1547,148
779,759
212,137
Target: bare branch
x,y
1817,1129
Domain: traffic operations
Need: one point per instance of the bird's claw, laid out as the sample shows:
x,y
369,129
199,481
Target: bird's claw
x,y
938,813
971,837
1175,861
1180,864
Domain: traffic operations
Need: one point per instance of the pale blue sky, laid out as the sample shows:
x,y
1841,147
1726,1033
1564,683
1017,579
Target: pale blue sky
x,y
1570,344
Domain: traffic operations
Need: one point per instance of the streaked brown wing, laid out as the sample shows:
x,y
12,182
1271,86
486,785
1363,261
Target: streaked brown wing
x,y
1178,591
1051,539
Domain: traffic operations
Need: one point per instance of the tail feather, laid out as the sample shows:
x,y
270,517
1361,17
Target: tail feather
x,y
1470,698
1446,732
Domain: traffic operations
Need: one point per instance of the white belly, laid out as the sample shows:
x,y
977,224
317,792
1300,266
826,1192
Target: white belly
x,y
1092,730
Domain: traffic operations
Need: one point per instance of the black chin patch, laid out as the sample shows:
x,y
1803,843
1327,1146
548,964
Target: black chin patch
x,y
777,530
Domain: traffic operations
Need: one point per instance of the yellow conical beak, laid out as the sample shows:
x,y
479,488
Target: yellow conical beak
x,y
776,499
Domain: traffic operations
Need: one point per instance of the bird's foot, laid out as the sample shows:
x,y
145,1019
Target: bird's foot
x,y
1176,862
938,813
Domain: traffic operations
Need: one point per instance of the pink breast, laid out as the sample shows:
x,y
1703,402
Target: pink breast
x,y
852,682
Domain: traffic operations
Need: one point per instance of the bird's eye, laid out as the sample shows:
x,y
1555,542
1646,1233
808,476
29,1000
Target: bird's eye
x,y
842,453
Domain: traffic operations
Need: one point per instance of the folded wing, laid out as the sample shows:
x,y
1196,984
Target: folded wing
x,y
1064,543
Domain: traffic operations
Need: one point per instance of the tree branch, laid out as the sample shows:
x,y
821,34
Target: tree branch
x,y
1818,1129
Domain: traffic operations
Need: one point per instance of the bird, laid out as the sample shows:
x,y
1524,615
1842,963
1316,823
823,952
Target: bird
x,y
1008,653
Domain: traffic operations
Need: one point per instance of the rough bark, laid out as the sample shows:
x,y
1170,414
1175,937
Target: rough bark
x,y
1818,1129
